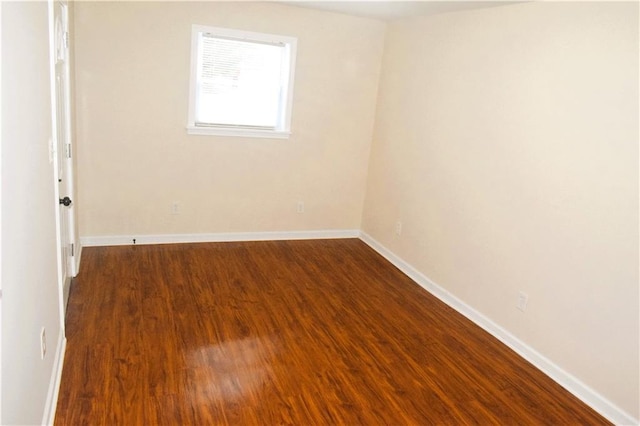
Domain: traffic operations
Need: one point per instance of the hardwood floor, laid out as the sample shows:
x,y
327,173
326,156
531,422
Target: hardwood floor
x,y
286,332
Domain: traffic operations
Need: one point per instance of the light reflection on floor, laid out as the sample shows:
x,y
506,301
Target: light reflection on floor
x,y
234,369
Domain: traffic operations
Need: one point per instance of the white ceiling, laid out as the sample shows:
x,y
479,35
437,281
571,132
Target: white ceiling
x,y
391,9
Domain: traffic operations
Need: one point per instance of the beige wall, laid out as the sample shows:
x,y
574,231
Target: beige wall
x,y
135,158
30,298
506,141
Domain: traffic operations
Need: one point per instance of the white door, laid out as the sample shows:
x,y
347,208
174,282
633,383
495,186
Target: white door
x,y
0,222
62,120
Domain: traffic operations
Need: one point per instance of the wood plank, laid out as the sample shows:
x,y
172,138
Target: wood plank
x,y
284,332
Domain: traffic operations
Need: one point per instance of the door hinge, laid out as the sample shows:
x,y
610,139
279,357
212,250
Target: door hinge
x,y
68,150
52,151
72,249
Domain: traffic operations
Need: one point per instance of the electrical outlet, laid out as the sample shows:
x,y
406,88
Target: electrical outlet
x,y
523,298
398,228
300,208
175,208
43,343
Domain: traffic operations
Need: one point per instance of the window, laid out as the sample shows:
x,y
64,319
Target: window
x,y
241,83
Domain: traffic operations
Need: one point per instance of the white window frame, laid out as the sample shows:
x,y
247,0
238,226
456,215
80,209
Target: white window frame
x,y
283,130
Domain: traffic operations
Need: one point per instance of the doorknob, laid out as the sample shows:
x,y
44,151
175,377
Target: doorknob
x,y
66,201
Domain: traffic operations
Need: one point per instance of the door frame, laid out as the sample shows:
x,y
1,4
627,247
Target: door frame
x,y
66,258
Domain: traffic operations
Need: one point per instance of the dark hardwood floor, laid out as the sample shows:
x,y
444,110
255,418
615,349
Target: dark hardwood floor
x,y
286,332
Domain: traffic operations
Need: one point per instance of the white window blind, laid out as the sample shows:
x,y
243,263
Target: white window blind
x,y
242,81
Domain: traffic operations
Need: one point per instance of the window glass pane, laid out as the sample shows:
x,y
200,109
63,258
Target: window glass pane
x,y
238,82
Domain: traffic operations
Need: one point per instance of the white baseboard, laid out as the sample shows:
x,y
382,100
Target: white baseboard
x,y
122,240
54,384
77,258
590,397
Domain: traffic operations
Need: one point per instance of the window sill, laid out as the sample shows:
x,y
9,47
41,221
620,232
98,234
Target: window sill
x,y
248,133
